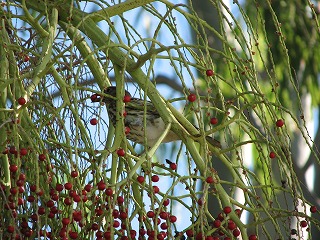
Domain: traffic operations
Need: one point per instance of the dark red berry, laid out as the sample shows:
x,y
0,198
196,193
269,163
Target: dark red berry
x,y
313,209
88,187
217,223
123,215
23,151
214,120
22,101
150,214
126,98
272,155
279,123
189,233
140,179
231,225
238,212
209,72
120,200
109,192
121,152
10,229
253,237
155,178
42,157
74,174
227,210
164,215
68,186
13,168
26,58
126,130
173,166
236,232
166,202
101,185
209,180
95,97
303,223
172,218
93,121
192,97
155,189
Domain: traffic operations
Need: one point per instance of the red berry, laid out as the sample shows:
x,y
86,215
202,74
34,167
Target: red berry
x,y
231,225
59,187
173,166
166,202
303,223
67,201
41,210
172,218
101,185
26,58
73,235
88,187
74,174
133,233
155,178
50,203
120,200
238,212
209,72
116,224
30,198
217,223
93,121
13,150
109,192
13,168
155,189
236,232
121,152
140,179
150,214
123,215
164,215
115,213
95,97
189,233
253,237
214,120
209,180
126,130
200,201
22,101
272,155
126,98
192,97
10,229
68,186
23,151
279,123
42,157
313,209
164,226
227,210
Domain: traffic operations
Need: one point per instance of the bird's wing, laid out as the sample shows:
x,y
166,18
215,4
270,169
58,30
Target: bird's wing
x,y
137,104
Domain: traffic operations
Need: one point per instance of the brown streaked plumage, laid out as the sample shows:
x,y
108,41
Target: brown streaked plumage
x,y
135,117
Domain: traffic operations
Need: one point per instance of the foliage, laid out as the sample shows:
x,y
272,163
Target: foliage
x,y
67,173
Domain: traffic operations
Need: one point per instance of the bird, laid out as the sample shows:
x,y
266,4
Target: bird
x,y
144,123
